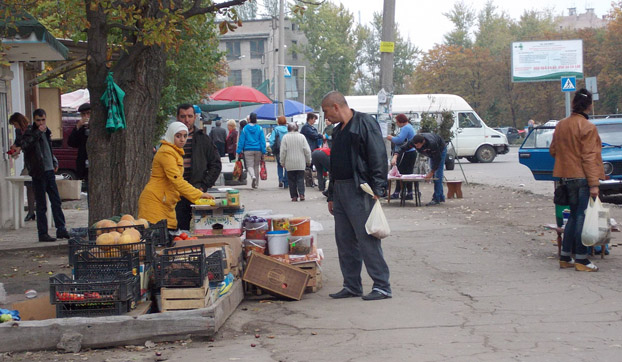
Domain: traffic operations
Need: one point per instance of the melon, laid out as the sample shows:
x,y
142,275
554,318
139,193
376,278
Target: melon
x,y
135,234
142,222
104,224
104,241
127,217
116,235
124,223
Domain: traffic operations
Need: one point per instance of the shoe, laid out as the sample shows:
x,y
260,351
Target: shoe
x,y
46,238
294,199
375,295
325,193
409,196
280,184
395,195
343,293
586,268
285,186
432,203
30,216
254,183
566,264
302,197
62,234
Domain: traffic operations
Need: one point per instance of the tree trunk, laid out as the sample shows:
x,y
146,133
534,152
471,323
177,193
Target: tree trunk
x,y
120,163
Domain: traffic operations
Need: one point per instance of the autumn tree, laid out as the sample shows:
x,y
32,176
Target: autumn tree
x,y
610,61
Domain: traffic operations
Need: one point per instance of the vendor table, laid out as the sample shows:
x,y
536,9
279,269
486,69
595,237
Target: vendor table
x,y
404,180
17,190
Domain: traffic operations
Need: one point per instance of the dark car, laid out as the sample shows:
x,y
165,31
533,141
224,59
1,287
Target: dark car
x,y
511,133
65,154
534,153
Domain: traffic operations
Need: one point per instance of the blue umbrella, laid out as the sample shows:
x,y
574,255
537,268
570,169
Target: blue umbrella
x,y
292,108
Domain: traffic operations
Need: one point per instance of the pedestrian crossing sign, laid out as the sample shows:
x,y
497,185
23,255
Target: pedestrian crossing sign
x,y
569,84
287,71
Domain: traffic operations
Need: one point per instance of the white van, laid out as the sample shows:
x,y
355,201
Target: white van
x,y
472,138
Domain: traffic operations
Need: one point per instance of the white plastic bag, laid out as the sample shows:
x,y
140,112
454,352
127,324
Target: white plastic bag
x,y
376,224
597,225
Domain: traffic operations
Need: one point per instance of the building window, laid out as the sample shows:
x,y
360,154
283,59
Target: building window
x,y
294,54
257,48
235,77
256,77
233,50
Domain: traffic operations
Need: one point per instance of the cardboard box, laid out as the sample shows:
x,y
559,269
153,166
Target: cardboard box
x,y
35,309
279,278
218,221
69,189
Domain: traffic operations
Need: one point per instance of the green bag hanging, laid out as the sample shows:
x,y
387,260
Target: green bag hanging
x,y
113,101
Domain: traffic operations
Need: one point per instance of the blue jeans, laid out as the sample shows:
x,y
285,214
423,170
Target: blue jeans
x,y
438,175
578,197
280,171
47,185
351,208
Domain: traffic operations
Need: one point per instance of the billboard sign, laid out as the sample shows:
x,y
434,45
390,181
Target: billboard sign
x,y
549,60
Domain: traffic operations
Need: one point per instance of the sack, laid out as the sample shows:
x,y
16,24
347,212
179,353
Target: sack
x,y
276,149
597,225
560,197
376,224
263,173
237,170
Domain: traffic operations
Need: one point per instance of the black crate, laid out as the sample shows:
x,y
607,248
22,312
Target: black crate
x,y
145,249
95,232
216,263
95,265
68,310
181,267
158,233
122,288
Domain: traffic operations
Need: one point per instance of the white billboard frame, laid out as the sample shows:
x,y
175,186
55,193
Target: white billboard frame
x,y
546,60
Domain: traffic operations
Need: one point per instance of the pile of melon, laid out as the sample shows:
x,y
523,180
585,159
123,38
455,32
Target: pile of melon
x,y
120,237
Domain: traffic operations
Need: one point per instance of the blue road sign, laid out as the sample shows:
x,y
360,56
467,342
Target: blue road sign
x,y
569,84
287,71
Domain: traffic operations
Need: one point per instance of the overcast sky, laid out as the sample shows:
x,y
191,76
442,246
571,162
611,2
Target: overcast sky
x,y
425,24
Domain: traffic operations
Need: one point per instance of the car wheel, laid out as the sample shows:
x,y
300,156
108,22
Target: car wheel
x,y
67,174
472,159
485,154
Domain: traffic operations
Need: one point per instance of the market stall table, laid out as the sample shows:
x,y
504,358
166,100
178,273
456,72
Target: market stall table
x,y
404,180
17,190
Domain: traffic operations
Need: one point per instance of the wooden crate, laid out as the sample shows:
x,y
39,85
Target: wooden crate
x,y
315,272
186,298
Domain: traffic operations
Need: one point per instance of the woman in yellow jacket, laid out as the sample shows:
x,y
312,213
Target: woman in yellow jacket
x,y
158,199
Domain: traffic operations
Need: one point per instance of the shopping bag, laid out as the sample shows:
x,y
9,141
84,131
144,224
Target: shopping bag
x,y
237,170
394,172
597,225
376,224
263,173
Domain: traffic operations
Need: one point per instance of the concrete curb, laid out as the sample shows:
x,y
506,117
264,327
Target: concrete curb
x,y
121,330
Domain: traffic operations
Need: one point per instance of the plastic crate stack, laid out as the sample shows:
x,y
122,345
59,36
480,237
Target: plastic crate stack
x,y
188,266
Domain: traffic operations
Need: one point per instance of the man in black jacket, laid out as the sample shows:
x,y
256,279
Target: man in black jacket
x,y
37,146
358,156
434,147
77,139
201,163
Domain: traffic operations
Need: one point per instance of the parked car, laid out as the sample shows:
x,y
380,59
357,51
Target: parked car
x,y
65,154
534,153
511,133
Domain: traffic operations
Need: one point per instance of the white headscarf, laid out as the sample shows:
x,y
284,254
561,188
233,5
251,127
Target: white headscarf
x,y
172,130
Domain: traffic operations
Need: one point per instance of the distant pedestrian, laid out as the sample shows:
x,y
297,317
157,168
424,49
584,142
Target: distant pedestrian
x,y
78,138
328,132
530,125
219,136
252,146
295,156
311,133
275,144
576,147
231,142
321,161
406,161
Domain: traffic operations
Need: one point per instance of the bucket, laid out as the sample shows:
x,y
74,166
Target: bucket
x,y
566,214
300,226
300,245
280,221
257,246
256,230
278,242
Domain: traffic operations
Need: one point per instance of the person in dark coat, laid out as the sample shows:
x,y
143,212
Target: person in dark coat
x,y
77,139
201,163
37,146
21,123
219,136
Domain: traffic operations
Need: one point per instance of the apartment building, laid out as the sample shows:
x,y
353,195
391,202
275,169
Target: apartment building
x,y
575,21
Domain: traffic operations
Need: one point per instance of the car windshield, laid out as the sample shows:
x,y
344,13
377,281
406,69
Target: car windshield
x,y
540,137
610,134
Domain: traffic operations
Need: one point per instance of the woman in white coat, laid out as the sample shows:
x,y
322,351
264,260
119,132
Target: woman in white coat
x,y
295,156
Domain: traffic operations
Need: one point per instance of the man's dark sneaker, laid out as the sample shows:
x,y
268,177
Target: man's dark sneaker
x,y
46,238
409,196
395,195
62,234
432,203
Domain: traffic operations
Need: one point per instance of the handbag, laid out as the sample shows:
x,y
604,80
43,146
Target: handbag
x,y
263,173
560,197
237,170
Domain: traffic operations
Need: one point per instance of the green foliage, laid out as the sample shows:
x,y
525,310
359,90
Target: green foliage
x,y
430,123
463,17
331,50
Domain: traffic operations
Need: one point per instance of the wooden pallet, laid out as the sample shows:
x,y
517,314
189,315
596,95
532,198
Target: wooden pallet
x,y
186,298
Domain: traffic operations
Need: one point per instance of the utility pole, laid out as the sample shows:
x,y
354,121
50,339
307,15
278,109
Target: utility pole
x,y
281,97
387,46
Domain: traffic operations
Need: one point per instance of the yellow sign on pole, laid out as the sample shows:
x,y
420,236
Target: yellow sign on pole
x,y
387,47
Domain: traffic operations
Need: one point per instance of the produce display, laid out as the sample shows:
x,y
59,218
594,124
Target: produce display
x,y
121,235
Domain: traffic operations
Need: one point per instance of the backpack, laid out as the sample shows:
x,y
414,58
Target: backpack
x,y
276,149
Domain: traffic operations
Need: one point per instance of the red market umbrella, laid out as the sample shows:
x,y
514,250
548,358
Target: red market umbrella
x,y
240,93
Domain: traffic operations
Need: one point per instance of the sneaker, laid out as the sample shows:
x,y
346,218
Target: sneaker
x,y
432,203
395,195
409,196
280,184
254,183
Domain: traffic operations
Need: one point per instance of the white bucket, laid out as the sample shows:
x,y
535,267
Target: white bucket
x,y
278,242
